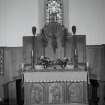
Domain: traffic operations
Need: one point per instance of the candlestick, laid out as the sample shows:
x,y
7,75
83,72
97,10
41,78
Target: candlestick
x,y
87,64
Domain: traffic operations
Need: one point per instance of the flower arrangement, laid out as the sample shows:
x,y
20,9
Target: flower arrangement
x,y
62,62
46,62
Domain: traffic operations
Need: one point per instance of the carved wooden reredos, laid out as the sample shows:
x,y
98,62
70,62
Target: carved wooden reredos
x,y
56,34
54,41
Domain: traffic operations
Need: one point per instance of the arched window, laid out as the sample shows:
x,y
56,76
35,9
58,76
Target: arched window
x,y
54,11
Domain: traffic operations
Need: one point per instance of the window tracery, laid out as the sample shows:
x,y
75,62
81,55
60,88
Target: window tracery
x,y
54,11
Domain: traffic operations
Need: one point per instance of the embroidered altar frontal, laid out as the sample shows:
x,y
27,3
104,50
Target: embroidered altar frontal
x,y
61,89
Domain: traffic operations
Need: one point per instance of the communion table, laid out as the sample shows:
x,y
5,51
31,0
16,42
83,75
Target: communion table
x,y
44,88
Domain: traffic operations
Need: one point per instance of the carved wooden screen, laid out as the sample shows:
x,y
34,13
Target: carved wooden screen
x,y
54,38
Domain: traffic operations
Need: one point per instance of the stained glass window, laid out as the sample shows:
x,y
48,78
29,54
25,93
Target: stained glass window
x,y
54,11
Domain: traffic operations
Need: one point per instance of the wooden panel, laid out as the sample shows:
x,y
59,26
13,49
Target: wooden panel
x,y
39,47
55,93
1,71
12,93
28,47
81,48
13,57
1,86
96,61
75,92
13,60
101,92
69,48
36,94
49,51
67,51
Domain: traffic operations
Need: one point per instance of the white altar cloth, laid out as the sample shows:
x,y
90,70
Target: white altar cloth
x,y
55,76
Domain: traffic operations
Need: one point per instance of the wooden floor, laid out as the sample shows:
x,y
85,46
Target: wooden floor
x,y
65,104
50,104
76,104
70,104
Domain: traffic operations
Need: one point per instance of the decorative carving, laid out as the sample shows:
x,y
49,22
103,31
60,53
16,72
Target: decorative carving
x,y
55,93
75,92
37,94
1,61
53,36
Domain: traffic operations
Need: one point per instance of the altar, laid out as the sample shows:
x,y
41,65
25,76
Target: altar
x,y
54,70
51,74
55,88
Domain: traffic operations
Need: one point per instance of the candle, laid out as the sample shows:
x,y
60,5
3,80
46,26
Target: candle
x,y
75,51
22,66
32,53
87,64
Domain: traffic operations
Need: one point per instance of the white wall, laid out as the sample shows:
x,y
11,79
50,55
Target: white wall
x,y
16,19
89,17
18,16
